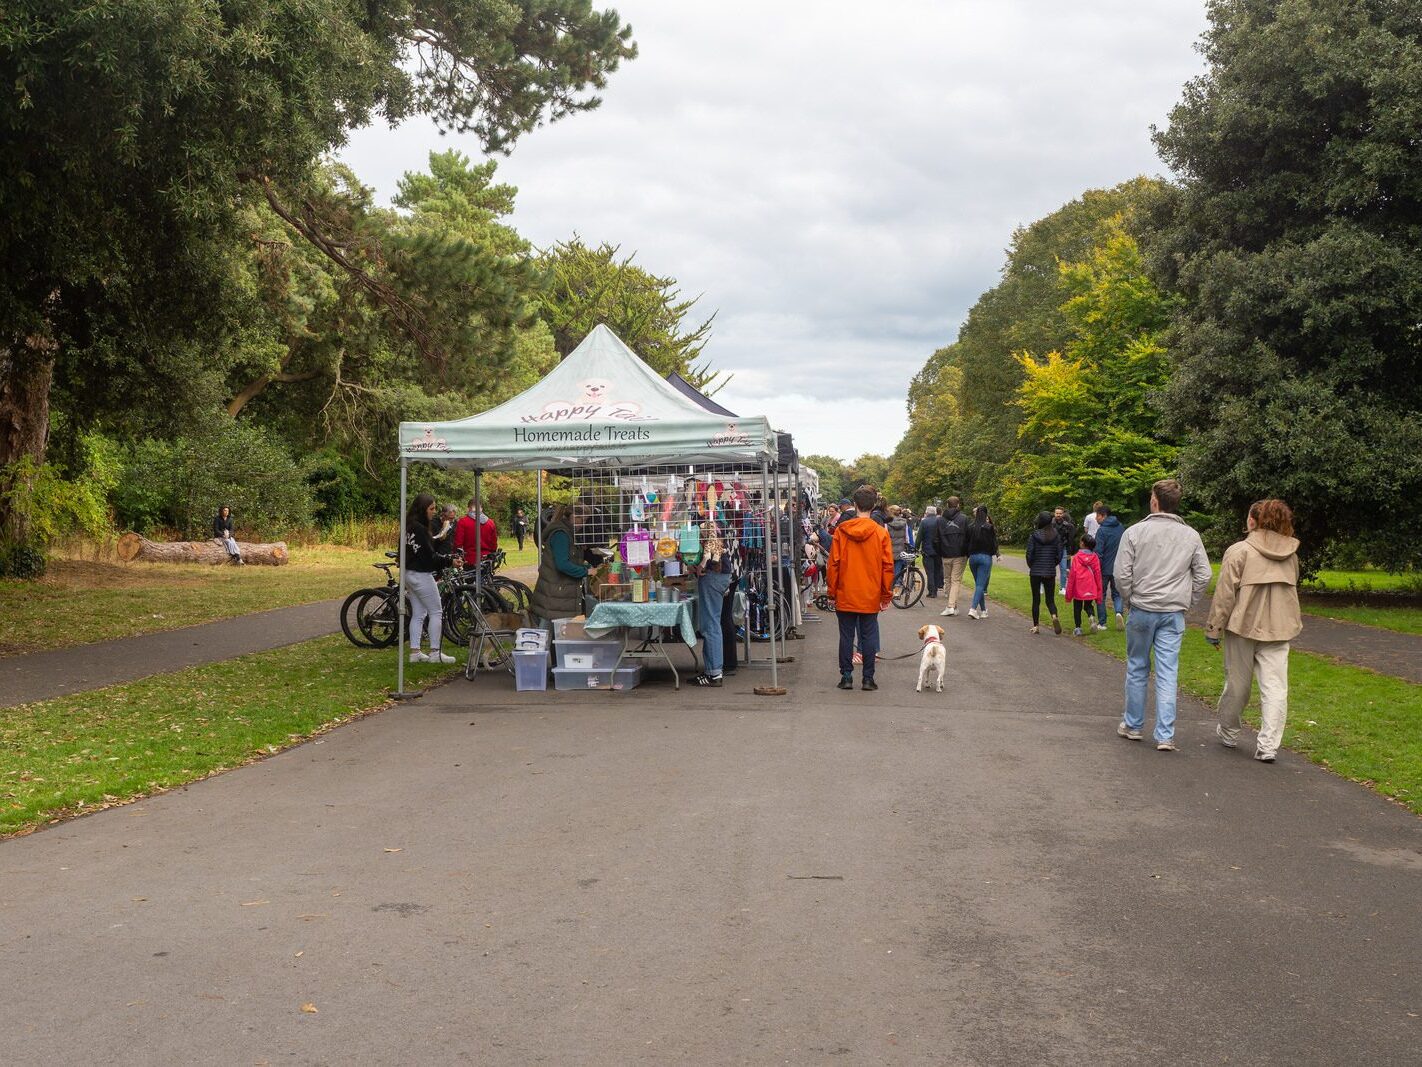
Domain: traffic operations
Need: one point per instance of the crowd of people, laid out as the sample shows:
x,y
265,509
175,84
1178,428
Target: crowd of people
x,y
1153,573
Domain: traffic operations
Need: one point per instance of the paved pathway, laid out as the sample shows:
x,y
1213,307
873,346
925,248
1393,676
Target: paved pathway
x,y
1384,651
43,675
987,876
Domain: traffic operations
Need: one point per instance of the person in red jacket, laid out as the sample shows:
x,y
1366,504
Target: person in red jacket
x,y
1084,583
861,583
464,536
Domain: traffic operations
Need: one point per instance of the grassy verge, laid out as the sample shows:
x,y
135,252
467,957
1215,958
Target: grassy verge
x,y
81,601
1365,726
80,753
1403,620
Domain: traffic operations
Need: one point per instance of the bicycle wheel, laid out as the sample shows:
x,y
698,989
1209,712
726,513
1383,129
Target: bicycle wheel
x,y
378,617
909,589
517,596
350,621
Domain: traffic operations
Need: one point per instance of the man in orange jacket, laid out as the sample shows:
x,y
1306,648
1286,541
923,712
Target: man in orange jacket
x,y
861,582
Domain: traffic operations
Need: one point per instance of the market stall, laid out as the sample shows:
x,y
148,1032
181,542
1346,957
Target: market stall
x,y
634,440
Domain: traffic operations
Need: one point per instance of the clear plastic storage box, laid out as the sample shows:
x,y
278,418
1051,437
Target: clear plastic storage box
x,y
590,655
530,671
566,679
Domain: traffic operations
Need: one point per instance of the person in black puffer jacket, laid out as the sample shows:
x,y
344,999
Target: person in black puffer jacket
x,y
1044,556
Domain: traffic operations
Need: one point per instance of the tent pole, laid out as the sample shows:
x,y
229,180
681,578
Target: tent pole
x,y
774,688
400,693
538,516
478,538
783,624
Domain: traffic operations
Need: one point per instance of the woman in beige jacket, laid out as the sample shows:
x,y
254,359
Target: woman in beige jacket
x,y
1256,611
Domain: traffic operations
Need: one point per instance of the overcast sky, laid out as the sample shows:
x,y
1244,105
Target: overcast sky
x,y
839,181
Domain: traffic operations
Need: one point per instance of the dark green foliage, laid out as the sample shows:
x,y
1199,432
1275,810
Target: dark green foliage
x,y
180,484
1296,240
21,561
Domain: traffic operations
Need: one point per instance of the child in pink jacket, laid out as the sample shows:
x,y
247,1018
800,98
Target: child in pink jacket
x,y
1083,586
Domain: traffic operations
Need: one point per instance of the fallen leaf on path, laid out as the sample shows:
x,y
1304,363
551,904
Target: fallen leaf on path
x,y
254,903
394,850
309,1009
309,917
301,953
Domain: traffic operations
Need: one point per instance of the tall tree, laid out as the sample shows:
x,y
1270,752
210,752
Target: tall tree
x,y
132,134
1296,239
587,286
1090,422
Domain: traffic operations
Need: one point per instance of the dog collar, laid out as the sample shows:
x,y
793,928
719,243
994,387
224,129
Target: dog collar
x,y
931,640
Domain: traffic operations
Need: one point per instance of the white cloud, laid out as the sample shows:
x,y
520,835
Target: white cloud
x,y
840,181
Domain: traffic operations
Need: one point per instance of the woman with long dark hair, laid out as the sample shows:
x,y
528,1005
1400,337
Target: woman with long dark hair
x,y
1044,554
423,556
982,548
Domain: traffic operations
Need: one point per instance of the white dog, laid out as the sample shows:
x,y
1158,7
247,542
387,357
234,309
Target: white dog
x,y
935,656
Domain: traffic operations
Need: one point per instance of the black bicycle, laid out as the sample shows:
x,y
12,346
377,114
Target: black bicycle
x,y
910,585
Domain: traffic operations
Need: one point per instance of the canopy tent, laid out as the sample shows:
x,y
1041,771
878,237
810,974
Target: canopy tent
x,y
686,389
601,407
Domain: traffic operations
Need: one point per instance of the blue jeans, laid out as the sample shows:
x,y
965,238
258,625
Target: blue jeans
x,y
981,566
710,596
1064,567
866,628
1108,585
1161,631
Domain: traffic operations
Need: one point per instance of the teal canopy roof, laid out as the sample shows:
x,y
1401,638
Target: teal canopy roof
x,y
602,406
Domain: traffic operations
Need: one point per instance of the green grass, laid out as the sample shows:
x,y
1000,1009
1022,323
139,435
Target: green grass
x,y
1364,726
80,753
1403,620
81,601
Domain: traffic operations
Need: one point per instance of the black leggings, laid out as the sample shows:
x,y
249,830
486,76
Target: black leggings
x,y
1043,584
1076,609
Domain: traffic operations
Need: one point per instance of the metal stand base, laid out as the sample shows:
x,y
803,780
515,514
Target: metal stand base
x,y
407,695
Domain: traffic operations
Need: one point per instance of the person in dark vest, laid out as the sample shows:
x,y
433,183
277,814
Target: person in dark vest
x,y
558,592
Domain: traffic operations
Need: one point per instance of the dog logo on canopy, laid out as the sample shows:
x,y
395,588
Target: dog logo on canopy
x,y
731,435
592,403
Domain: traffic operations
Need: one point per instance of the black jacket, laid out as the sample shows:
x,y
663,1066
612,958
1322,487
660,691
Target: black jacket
x,y
1044,553
222,527
982,539
928,534
421,552
1066,530
953,535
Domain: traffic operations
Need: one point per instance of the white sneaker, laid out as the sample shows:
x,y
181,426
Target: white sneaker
x,y
973,613
982,614
949,611
1120,619
418,657
439,657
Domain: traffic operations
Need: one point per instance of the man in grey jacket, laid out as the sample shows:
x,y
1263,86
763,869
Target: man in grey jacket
x,y
1161,572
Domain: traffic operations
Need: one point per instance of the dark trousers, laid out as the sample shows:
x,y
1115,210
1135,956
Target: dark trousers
x,y
866,628
1077,606
933,571
1043,585
730,658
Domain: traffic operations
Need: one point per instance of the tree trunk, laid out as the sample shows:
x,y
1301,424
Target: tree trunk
x,y
132,547
26,370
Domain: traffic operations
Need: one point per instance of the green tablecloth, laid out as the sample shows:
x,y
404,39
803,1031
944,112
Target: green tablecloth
x,y
609,616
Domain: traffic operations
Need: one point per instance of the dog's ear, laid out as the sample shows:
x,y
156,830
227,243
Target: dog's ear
x,y
922,632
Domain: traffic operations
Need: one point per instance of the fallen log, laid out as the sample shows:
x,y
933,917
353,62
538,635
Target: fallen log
x,y
134,547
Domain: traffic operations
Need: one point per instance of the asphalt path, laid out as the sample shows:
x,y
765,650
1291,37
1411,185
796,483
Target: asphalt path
x,y
983,876
45,675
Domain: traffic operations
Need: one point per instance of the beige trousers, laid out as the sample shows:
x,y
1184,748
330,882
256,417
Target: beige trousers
x,y
1245,661
953,577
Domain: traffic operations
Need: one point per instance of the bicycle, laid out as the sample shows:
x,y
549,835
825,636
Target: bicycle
x,y
910,585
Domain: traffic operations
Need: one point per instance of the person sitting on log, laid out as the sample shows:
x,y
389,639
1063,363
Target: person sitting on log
x,y
222,531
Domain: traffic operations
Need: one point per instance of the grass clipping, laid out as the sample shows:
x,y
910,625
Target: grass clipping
x,y
76,754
